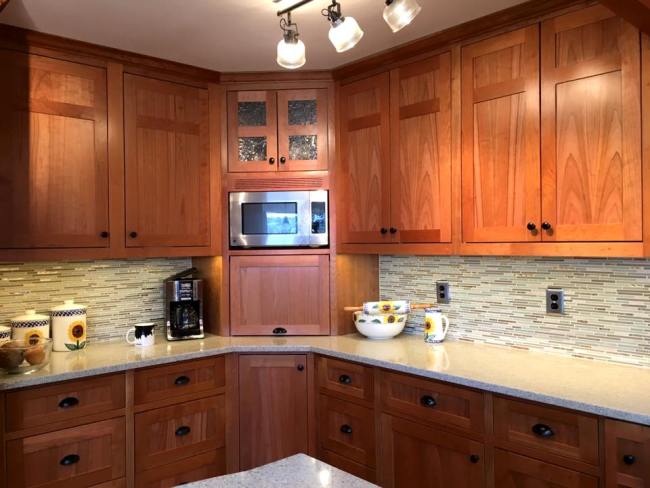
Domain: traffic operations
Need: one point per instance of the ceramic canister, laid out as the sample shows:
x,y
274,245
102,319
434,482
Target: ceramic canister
x,y
68,326
5,334
30,327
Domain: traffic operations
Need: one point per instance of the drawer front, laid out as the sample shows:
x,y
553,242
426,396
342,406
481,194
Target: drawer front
x,y
121,483
87,455
432,401
203,466
343,463
175,380
69,401
165,435
627,454
347,429
549,430
346,379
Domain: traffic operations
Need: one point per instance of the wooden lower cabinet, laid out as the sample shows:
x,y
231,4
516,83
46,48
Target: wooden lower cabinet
x,y
627,455
199,467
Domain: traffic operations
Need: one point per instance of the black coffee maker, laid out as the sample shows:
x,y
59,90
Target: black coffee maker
x,y
184,306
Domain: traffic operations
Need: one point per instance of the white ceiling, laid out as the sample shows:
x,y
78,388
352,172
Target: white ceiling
x,y
231,35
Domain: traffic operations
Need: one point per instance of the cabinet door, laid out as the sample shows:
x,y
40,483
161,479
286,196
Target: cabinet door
x,y
365,160
500,120
415,456
252,131
591,128
272,408
167,166
515,471
53,153
420,119
627,455
302,130
279,294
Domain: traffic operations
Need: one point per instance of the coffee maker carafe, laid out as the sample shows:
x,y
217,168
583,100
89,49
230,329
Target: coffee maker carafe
x,y
184,306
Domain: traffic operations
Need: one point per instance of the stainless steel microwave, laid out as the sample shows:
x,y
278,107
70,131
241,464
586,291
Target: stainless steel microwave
x,y
279,219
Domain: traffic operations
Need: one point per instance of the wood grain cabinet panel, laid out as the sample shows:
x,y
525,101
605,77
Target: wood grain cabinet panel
x,y
273,421
165,435
591,127
500,123
279,294
345,379
53,153
81,456
68,401
167,167
199,467
514,471
547,430
415,456
627,455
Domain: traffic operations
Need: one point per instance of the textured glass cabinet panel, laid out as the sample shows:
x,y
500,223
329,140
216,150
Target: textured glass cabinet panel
x,y
252,148
251,113
302,112
303,148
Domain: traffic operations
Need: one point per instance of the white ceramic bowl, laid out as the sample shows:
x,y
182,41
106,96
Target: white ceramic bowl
x,y
379,326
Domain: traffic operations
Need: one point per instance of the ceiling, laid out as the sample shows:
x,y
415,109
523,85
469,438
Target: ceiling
x,y
231,35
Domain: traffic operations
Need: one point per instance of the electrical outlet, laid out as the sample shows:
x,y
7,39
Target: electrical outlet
x,y
442,292
554,300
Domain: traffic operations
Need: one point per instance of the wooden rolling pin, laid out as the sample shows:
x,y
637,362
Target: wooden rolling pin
x,y
414,306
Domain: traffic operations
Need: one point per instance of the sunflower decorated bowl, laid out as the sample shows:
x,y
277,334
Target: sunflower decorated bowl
x,y
379,326
18,356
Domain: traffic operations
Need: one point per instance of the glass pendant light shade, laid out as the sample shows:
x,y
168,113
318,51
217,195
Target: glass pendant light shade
x,y
291,53
345,33
400,13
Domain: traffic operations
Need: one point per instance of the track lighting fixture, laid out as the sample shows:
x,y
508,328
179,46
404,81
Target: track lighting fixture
x,y
291,50
344,32
400,13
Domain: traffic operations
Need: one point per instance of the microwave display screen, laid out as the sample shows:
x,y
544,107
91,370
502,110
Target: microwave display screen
x,y
269,218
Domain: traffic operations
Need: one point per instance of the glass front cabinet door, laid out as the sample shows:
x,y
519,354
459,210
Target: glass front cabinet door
x,y
284,130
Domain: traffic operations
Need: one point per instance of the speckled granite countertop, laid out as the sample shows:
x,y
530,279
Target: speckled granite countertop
x,y
612,390
299,471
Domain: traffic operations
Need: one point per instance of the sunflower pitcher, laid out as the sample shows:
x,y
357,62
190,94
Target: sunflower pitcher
x,y
434,330
68,326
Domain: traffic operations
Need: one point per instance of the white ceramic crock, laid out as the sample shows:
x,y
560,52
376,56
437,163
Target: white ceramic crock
x,y
5,334
30,327
68,326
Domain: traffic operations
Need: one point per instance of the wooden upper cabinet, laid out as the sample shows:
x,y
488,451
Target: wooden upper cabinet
x,y
591,127
53,153
365,160
500,125
420,172
627,455
167,179
284,130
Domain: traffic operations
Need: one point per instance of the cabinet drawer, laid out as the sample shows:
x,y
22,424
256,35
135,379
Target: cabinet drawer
x,y
343,463
345,378
175,380
206,465
165,435
432,401
347,429
549,430
69,401
627,454
81,456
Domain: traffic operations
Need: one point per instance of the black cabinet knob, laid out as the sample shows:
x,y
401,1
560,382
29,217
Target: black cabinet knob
x,y
629,459
543,430
182,380
346,429
279,330
393,230
133,235
69,402
531,226
300,367
383,230
474,458
546,225
344,379
283,159
69,460
182,430
271,160
103,234
428,401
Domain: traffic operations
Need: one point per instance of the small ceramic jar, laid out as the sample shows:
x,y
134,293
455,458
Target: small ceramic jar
x,y
30,327
68,326
5,334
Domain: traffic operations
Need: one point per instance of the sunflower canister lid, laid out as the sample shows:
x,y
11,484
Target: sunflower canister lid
x,y
68,306
30,319
69,326
30,327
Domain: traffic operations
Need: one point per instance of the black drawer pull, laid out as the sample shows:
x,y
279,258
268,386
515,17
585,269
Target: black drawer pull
x,y
182,430
543,430
69,460
279,330
300,367
69,402
346,429
182,380
344,379
474,458
428,401
629,459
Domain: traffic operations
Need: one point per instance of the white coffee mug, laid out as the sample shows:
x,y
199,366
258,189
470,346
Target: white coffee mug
x,y
143,334
434,330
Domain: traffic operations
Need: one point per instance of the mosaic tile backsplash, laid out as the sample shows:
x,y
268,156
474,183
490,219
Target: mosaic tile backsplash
x,y
501,300
117,293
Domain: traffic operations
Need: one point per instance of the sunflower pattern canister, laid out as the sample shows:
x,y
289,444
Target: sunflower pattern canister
x,y
68,326
30,327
